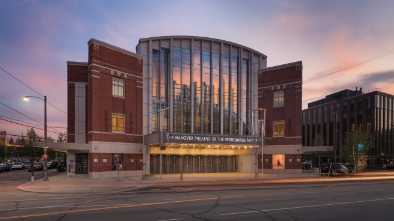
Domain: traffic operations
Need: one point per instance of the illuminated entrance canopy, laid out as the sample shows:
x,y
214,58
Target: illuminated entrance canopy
x,y
211,139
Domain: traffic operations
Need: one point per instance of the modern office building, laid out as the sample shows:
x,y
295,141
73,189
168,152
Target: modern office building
x,y
182,104
338,113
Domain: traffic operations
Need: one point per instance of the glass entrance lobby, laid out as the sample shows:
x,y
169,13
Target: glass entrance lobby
x,y
193,164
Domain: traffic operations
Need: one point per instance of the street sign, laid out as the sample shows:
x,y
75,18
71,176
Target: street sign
x,y
36,144
45,156
360,146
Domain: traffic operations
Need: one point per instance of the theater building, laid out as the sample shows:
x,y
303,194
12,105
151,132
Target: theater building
x,y
182,104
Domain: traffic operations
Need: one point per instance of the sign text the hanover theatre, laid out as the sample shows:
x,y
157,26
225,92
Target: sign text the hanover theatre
x,y
211,139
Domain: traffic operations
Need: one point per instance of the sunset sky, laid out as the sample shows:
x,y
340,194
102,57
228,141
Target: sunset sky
x,y
342,44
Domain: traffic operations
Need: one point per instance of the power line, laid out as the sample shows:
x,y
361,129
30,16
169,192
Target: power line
x,y
26,125
31,89
19,120
19,112
21,81
27,122
26,116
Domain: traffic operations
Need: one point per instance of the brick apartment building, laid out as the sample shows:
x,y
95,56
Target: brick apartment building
x,y
280,93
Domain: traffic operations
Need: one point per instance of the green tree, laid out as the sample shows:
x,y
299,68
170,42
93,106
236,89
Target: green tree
x,y
319,140
315,156
11,142
34,153
350,151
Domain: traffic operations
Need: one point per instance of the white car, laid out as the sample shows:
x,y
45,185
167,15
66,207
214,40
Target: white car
x,y
17,165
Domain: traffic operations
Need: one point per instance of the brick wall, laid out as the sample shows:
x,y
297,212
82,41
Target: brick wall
x,y
106,62
128,165
287,78
100,166
294,164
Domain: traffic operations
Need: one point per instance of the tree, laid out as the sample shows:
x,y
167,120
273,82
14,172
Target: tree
x,y
34,153
355,147
62,137
11,142
319,140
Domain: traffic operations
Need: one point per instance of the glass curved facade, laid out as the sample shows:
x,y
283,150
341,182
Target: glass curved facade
x,y
199,85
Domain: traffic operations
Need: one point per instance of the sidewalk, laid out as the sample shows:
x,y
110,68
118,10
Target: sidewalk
x,y
83,184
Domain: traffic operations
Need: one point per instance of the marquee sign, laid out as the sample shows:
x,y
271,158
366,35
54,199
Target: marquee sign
x,y
212,139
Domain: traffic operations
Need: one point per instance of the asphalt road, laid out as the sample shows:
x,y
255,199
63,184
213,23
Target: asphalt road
x,y
11,180
345,200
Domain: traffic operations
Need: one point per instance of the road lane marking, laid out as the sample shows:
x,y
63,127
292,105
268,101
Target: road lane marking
x,y
170,219
106,208
310,206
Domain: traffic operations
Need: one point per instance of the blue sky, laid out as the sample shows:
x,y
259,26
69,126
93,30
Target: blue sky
x,y
342,44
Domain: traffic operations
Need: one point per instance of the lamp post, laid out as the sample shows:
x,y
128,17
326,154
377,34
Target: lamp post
x,y
262,123
26,98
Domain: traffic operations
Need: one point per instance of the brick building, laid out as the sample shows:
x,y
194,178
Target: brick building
x,y
105,111
280,93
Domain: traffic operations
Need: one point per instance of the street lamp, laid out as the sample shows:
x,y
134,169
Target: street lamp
x,y
262,138
26,98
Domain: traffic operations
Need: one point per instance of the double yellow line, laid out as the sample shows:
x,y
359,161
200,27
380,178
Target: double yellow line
x,y
104,208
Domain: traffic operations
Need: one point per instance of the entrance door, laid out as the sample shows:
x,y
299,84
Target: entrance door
x,y
81,163
231,164
187,164
222,164
211,164
199,164
174,164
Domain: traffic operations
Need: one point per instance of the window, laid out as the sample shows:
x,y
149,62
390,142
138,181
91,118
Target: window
x,y
117,160
279,98
118,122
279,128
117,87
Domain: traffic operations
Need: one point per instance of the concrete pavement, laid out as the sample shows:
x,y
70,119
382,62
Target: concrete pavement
x,y
80,183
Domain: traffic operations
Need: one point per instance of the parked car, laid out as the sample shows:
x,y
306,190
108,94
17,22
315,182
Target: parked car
x,y
26,164
51,164
324,167
349,166
388,166
17,165
4,167
307,166
334,168
36,166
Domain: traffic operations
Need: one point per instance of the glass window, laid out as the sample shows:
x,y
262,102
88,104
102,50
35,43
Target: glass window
x,y
234,95
278,161
244,96
279,98
117,87
117,161
279,128
118,122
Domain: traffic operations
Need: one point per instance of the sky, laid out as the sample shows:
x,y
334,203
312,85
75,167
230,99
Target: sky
x,y
342,44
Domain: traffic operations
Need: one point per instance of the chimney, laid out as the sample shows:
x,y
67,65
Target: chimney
x,y
356,88
361,89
